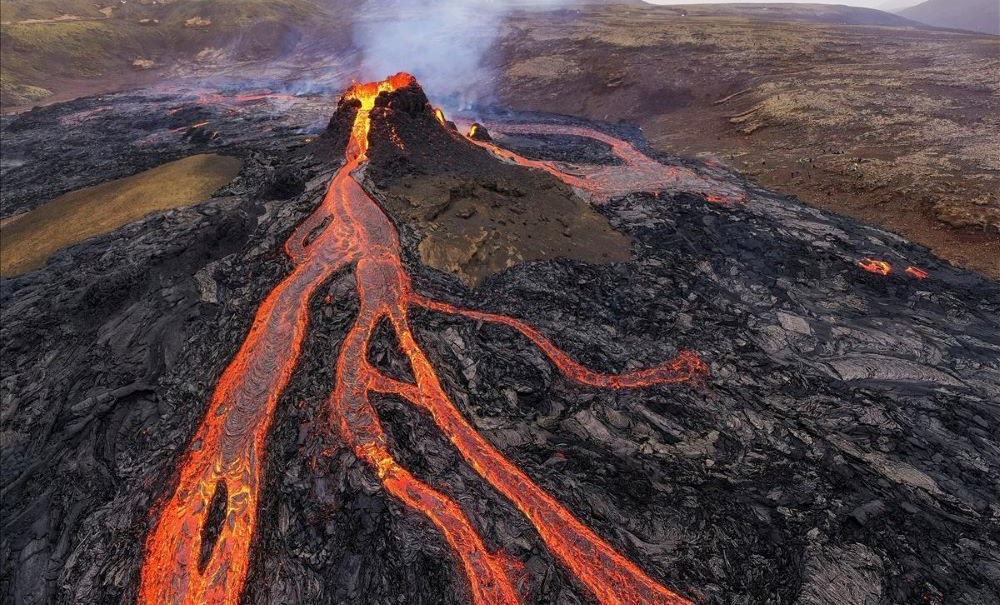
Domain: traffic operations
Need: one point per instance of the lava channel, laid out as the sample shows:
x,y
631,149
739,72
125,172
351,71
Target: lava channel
x,y
188,561
638,171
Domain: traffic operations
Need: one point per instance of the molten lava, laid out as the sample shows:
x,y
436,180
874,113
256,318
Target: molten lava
x,y
917,272
366,94
876,266
186,561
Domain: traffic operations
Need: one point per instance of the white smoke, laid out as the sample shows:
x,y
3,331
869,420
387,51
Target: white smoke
x,y
444,43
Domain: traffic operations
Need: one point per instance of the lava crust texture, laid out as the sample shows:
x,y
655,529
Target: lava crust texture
x,y
837,447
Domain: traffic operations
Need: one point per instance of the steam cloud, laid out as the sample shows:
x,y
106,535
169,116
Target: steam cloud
x,y
444,43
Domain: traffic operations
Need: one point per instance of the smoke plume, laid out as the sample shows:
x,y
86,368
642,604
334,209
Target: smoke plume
x,y
444,43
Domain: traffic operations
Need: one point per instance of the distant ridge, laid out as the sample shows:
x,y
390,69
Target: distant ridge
x,y
809,13
895,6
974,15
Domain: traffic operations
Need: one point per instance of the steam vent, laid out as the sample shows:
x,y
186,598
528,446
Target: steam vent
x,y
492,359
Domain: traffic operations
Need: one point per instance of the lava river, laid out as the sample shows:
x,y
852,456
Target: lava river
x,y
189,558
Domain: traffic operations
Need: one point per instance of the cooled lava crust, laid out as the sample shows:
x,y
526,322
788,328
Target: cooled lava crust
x,y
840,450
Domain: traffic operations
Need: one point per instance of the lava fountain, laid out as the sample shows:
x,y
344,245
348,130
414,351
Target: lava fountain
x,y
198,547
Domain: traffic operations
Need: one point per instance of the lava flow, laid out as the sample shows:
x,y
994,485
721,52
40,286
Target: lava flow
x,y
638,172
189,558
874,265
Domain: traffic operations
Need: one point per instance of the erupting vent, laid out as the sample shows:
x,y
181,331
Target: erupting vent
x,y
192,558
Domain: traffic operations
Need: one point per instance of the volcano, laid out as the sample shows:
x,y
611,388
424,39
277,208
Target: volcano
x,y
521,358
189,560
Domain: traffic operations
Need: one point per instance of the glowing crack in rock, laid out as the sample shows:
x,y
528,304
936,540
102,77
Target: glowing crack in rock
x,y
874,265
221,470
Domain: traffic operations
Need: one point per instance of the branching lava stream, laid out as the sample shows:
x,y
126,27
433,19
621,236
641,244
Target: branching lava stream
x,y
186,563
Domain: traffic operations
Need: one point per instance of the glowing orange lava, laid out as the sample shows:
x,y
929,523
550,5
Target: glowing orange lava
x,y
876,266
366,94
725,201
917,272
439,115
349,227
194,126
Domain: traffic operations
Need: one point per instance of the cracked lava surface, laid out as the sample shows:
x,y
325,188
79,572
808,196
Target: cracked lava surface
x,y
184,562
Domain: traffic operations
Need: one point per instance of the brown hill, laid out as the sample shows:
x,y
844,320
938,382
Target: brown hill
x,y
896,126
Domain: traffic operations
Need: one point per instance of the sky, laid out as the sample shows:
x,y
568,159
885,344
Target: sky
x,y
879,4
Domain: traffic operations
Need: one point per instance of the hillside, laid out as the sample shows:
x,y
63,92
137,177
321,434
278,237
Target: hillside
x,y
893,125
973,15
894,6
55,50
